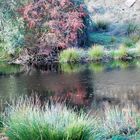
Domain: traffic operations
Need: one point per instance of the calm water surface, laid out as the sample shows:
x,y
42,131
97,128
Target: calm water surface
x,y
83,85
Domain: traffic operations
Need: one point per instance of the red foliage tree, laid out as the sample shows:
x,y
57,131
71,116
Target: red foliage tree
x,y
62,18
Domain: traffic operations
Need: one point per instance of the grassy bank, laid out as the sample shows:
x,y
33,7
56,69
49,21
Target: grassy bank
x,y
27,120
98,53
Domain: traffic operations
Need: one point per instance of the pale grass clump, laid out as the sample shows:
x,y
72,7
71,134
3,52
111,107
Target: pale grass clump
x,y
120,121
70,55
96,52
30,121
120,53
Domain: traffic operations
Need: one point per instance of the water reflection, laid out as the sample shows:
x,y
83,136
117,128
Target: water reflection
x,y
6,69
96,67
72,68
82,85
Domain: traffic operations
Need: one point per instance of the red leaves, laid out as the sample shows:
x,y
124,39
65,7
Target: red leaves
x,y
76,25
62,17
62,45
31,24
62,3
73,36
54,13
65,2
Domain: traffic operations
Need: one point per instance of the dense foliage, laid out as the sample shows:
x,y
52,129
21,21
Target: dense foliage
x,y
11,26
58,23
40,24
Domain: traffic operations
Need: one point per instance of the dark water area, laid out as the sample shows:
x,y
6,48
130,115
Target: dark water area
x,y
82,85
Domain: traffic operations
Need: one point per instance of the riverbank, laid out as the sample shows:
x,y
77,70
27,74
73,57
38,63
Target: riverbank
x,y
96,23
28,119
98,53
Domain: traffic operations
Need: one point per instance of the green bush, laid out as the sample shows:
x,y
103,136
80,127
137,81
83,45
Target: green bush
x,y
70,55
12,29
96,52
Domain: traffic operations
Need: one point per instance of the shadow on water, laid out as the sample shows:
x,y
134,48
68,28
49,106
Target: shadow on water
x,y
80,85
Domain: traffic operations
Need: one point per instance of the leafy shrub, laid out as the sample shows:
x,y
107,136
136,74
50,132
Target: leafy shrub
x,y
11,26
63,21
96,52
70,55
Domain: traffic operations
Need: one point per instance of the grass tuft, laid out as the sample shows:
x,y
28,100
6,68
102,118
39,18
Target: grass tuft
x,y
27,121
102,25
70,55
96,52
121,53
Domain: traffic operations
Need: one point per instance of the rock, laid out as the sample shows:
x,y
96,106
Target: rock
x,y
130,3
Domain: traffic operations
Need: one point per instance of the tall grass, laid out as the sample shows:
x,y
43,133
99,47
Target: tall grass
x,y
119,121
70,55
27,121
96,52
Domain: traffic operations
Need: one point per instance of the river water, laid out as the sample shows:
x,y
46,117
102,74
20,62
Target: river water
x,y
81,85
